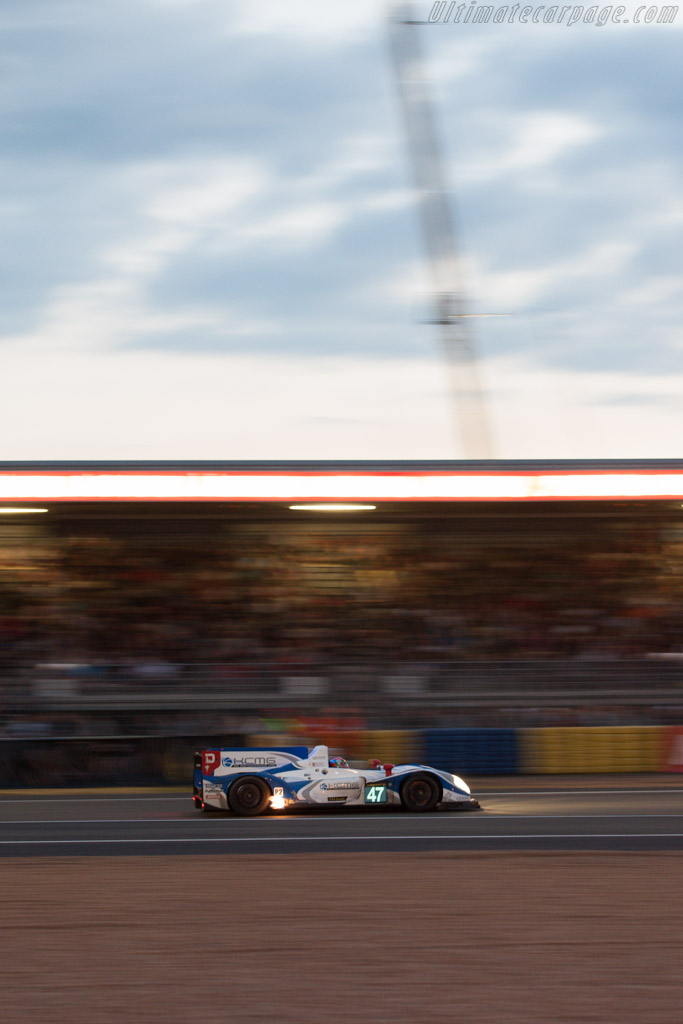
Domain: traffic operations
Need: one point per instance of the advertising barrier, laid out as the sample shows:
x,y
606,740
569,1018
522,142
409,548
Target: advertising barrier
x,y
477,751
591,749
167,760
673,760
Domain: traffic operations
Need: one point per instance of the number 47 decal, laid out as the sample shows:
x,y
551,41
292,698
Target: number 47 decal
x,y
376,795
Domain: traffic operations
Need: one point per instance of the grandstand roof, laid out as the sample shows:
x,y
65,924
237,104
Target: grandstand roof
x,y
514,480
359,465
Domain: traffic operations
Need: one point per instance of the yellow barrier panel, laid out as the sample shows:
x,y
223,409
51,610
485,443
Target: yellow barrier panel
x,y
585,749
654,746
534,746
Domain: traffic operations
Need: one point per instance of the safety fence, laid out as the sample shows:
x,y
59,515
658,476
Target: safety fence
x,y
380,689
168,760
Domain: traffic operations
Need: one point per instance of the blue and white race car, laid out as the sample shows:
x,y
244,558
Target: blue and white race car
x,y
250,781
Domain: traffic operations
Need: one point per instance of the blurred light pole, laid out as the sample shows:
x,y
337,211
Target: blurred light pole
x,y
439,234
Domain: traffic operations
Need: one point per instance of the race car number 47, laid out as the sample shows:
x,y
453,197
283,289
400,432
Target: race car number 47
x,y
376,795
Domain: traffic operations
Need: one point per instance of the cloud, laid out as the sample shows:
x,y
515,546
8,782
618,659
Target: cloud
x,y
525,143
227,186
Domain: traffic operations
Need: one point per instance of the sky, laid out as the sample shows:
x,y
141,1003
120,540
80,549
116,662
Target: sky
x,y
211,246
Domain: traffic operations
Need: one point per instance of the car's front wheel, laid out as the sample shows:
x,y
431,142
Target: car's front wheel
x,y
420,793
248,797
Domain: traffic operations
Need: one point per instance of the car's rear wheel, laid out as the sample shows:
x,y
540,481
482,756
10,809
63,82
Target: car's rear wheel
x,y
420,793
248,797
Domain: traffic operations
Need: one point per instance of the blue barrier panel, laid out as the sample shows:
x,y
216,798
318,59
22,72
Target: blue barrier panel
x,y
477,751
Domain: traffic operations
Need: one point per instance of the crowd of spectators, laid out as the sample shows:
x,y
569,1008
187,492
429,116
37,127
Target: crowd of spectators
x,y
248,599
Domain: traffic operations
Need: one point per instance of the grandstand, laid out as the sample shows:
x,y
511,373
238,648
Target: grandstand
x,y
170,597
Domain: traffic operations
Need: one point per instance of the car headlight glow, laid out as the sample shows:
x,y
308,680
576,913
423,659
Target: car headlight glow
x,y
459,784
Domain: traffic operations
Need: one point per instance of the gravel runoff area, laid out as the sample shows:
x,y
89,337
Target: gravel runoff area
x,y
402,938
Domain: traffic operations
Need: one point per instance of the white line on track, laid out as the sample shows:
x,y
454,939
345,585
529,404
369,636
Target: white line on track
x,y
573,792
551,817
345,839
393,817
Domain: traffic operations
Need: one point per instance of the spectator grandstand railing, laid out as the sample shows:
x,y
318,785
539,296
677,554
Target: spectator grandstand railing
x,y
365,684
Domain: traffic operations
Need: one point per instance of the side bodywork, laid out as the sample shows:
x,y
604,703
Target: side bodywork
x,y
296,776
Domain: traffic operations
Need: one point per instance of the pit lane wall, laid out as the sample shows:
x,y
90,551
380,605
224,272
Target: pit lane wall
x,y
152,760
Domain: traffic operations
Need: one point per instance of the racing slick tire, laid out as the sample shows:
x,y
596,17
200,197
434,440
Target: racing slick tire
x,y
248,796
420,793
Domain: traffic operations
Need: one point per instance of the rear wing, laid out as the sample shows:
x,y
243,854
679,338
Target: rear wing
x,y
220,761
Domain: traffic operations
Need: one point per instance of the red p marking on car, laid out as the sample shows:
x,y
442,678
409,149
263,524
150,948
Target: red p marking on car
x,y
210,760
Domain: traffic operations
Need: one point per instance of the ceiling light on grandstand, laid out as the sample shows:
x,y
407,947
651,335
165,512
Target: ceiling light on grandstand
x,y
328,487
332,507
9,511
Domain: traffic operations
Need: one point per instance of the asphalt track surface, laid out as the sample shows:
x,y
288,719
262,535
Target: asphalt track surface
x,y
569,816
